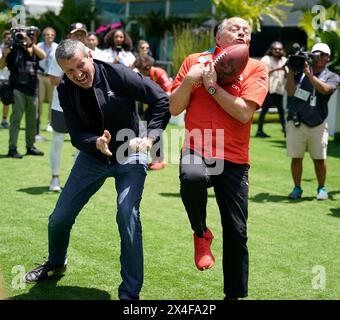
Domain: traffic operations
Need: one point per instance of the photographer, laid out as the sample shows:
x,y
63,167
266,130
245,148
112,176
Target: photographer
x,y
6,95
21,58
308,95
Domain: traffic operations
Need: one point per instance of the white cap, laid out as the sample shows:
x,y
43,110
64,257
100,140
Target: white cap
x,y
323,47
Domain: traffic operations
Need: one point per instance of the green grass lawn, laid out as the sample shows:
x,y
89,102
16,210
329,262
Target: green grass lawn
x,y
290,242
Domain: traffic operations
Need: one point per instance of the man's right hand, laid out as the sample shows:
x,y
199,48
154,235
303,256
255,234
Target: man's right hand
x,y
102,143
141,144
194,75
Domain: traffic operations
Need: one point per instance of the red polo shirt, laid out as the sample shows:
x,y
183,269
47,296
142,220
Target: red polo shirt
x,y
210,130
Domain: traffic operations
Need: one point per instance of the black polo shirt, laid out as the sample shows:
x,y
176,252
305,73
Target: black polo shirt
x,y
312,116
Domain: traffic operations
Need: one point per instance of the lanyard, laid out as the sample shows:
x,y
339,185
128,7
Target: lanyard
x,y
303,76
300,81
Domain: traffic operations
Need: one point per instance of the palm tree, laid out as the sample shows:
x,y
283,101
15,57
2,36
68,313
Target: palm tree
x,y
185,42
252,10
327,31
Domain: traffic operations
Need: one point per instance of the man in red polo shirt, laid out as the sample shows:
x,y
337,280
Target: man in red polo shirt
x,y
216,150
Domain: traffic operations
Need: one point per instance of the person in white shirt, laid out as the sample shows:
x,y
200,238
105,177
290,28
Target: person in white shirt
x,y
92,42
45,87
78,31
5,89
277,70
119,47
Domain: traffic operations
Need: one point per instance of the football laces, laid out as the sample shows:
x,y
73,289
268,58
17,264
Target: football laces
x,y
220,57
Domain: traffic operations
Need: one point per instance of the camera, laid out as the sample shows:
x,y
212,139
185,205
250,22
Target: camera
x,y
297,60
18,36
32,31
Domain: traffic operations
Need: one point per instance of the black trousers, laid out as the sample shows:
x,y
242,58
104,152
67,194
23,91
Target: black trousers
x,y
231,190
272,100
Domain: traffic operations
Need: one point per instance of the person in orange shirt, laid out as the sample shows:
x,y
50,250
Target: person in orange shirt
x,y
216,150
145,65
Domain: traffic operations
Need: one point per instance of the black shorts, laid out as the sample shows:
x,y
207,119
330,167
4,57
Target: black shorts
x,y
58,122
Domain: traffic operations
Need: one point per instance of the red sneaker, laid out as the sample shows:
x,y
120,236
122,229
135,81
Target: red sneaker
x,y
204,259
157,165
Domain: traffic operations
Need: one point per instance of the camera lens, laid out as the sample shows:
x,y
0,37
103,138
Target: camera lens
x,y
19,36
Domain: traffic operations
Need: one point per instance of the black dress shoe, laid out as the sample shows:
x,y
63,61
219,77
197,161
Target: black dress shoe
x,y
33,151
13,153
261,134
44,271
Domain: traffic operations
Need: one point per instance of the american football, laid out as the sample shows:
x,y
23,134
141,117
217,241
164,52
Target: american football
x,y
230,63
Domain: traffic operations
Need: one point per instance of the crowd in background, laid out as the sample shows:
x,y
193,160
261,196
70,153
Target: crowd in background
x,y
117,47
45,77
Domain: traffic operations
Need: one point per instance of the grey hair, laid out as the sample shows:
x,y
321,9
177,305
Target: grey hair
x,y
68,48
226,21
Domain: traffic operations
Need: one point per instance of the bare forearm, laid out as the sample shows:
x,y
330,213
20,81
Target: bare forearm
x,y
320,86
3,62
237,107
55,80
39,52
290,86
180,98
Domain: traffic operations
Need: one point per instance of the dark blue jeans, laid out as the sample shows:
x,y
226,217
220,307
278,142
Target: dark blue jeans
x,y
87,176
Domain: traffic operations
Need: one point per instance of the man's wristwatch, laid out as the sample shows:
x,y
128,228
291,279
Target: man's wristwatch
x,y
212,89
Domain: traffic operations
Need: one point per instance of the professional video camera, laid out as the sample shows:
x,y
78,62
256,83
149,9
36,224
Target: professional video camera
x,y
297,60
19,36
